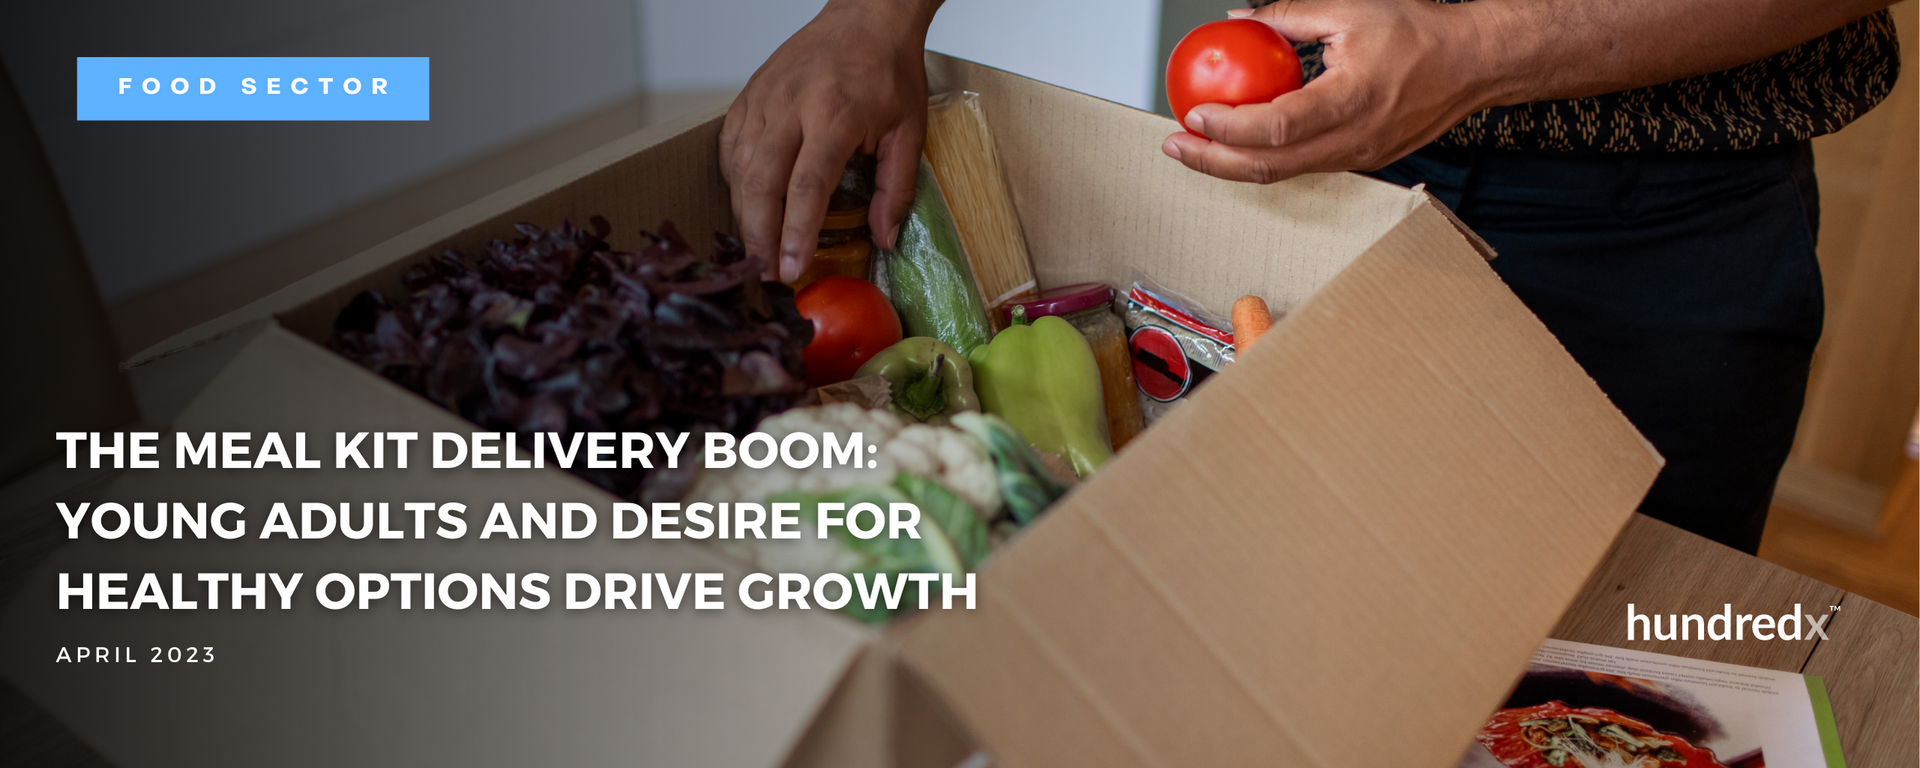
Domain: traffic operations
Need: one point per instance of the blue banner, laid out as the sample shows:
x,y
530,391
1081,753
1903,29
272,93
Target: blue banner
x,y
252,88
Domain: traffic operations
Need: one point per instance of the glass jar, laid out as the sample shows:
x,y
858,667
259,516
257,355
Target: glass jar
x,y
1089,308
845,245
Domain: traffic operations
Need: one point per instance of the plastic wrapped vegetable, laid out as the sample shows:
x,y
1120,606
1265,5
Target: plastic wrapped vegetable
x,y
928,277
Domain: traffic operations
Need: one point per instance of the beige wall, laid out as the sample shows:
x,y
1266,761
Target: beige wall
x,y
1866,378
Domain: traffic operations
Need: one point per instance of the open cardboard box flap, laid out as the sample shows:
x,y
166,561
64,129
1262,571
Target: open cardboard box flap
x,y
1340,551
1344,548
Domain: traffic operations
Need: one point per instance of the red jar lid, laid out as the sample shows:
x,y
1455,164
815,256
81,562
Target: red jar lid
x,y
1061,300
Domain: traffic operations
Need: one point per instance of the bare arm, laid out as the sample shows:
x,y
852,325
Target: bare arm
x,y
1561,49
852,80
1401,72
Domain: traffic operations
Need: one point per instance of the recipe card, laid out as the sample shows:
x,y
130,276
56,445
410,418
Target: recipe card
x,y
1590,705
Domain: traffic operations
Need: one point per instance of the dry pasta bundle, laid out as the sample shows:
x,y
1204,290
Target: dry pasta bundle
x,y
960,148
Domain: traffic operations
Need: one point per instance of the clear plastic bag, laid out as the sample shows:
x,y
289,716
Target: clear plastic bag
x,y
961,149
1175,342
928,276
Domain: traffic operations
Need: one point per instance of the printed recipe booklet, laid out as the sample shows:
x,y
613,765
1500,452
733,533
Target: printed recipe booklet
x,y
1588,706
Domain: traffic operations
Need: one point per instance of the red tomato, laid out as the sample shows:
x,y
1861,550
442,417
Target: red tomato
x,y
852,321
1231,62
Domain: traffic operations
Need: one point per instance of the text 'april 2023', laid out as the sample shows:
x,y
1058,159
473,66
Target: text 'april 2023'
x,y
252,88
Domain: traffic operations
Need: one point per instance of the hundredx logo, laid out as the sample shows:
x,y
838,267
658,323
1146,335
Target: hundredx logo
x,y
1727,626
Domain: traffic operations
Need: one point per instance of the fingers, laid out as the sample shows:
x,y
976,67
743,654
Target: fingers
x,y
732,140
729,136
1232,163
1324,104
895,178
1298,20
762,165
816,172
781,180
1260,166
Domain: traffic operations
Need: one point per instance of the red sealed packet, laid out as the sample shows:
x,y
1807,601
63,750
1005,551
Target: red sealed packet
x,y
1175,344
1554,735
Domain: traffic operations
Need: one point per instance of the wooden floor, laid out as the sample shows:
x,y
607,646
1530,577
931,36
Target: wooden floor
x,y
1883,568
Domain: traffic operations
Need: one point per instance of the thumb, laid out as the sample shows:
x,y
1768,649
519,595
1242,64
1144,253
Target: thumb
x,y
895,177
1300,21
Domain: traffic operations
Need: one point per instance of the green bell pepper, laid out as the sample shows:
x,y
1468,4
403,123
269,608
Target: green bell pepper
x,y
1042,378
930,380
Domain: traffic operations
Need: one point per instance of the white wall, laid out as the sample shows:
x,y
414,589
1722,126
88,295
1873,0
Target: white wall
x,y
694,45
1106,48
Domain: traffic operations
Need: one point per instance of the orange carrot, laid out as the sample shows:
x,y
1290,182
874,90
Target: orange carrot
x,y
1250,319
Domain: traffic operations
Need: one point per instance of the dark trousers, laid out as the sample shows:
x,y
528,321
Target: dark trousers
x,y
1686,285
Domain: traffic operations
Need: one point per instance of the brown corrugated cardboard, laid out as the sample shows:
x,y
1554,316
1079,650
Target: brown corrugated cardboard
x,y
1098,200
1339,552
851,729
1405,518
882,715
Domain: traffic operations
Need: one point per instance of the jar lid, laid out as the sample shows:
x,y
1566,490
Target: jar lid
x,y
1064,299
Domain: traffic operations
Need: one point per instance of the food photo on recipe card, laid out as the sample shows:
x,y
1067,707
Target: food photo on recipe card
x,y
1590,705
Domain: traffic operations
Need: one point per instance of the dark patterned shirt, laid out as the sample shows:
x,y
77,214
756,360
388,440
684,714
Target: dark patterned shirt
x,y
1811,89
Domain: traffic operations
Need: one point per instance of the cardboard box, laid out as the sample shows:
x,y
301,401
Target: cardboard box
x,y
1341,551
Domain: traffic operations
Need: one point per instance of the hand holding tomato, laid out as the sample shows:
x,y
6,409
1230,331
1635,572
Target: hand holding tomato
x,y
1399,74
852,321
1231,62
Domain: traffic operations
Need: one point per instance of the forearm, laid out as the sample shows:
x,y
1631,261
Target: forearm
x,y
1556,49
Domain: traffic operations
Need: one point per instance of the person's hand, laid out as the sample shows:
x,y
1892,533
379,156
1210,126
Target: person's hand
x,y
1399,74
852,80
